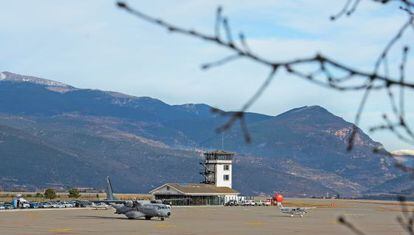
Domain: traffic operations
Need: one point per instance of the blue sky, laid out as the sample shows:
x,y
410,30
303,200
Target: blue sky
x,y
92,44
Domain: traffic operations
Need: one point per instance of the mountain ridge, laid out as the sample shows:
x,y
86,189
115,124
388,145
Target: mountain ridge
x,y
300,152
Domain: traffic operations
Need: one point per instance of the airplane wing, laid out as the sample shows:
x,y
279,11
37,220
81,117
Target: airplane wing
x,y
111,201
303,209
308,208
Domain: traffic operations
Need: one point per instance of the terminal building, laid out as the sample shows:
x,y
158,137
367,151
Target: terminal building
x,y
215,189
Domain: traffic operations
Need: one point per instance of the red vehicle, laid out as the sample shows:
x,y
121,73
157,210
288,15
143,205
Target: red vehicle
x,y
268,202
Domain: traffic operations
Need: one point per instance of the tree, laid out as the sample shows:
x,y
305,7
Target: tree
x,y
74,193
50,193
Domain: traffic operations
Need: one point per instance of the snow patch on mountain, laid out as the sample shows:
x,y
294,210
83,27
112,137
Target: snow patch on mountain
x,y
403,152
2,76
7,76
49,84
404,156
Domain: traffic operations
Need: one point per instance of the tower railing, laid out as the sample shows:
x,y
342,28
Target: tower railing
x,y
209,165
207,175
219,157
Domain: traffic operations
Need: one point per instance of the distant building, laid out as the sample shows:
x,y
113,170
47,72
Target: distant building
x,y
88,190
58,187
215,189
217,168
194,194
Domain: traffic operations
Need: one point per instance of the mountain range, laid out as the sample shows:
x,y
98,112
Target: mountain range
x,y
56,134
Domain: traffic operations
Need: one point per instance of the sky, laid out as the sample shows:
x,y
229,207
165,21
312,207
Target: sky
x,y
93,44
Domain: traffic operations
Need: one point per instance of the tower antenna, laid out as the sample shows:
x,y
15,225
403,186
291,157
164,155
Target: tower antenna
x,y
222,141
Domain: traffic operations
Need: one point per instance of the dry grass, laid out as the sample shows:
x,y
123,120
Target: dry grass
x,y
387,203
313,204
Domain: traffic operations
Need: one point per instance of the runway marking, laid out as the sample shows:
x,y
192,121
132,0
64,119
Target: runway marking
x,y
397,209
44,209
255,223
353,215
165,226
60,230
32,216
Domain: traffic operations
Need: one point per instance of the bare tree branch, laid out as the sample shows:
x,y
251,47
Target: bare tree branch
x,y
326,72
322,75
349,225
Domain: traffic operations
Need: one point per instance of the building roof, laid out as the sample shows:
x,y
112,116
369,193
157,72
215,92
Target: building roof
x,y
218,153
196,189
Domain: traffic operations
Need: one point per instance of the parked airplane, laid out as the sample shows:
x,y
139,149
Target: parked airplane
x,y
137,208
99,206
109,191
147,210
292,211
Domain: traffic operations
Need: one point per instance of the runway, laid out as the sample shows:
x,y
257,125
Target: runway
x,y
372,217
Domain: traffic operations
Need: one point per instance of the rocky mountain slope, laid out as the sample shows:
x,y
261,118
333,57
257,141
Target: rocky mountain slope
x,y
53,133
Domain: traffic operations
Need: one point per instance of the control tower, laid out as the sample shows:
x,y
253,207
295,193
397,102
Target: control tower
x,y
217,168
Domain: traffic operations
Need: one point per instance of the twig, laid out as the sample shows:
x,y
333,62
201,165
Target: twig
x,y
369,80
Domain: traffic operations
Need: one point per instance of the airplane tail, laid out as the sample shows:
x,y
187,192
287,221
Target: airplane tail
x,y
109,191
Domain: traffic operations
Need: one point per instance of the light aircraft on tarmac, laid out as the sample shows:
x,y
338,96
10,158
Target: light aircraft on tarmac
x,y
99,206
292,211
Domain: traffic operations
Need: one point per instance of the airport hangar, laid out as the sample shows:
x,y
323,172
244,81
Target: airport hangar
x,y
216,188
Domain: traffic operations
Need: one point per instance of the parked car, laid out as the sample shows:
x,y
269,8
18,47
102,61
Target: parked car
x,y
82,203
2,207
45,205
8,206
259,203
69,204
264,203
25,205
34,205
268,202
248,203
232,203
65,204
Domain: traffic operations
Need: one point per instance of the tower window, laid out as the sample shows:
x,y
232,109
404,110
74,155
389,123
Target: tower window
x,y
226,177
226,167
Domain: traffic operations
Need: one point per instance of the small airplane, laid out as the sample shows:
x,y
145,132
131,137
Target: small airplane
x,y
137,208
292,211
100,206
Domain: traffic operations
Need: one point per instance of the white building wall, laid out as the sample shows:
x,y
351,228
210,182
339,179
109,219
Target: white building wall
x,y
220,172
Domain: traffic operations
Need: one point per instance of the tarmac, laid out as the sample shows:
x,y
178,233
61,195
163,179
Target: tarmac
x,y
371,217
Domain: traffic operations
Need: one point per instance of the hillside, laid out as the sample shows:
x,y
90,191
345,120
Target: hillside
x,y
75,137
